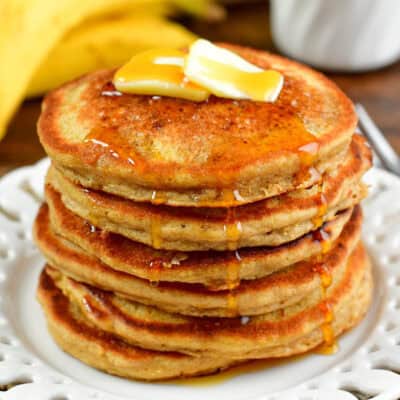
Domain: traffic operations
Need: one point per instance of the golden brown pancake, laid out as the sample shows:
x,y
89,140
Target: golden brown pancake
x,y
107,352
213,269
285,332
219,152
270,222
250,297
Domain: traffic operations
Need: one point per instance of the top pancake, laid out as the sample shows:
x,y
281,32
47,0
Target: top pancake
x,y
220,152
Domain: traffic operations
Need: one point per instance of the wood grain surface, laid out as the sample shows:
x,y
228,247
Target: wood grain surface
x,y
378,91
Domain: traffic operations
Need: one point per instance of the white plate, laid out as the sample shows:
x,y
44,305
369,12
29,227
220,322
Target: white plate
x,y
367,365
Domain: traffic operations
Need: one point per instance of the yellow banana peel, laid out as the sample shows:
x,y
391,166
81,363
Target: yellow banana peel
x,y
31,29
103,44
207,9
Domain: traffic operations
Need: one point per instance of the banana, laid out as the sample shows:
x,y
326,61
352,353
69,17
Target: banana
x,y
103,44
207,9
30,29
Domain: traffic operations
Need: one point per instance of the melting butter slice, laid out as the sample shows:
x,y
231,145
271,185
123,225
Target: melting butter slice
x,y
158,72
226,74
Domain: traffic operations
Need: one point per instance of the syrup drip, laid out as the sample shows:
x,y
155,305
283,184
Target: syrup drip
x,y
233,229
155,229
103,141
232,282
329,346
158,198
308,154
318,220
227,197
155,271
232,303
322,237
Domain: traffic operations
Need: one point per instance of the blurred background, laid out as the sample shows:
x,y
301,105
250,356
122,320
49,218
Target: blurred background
x,y
44,43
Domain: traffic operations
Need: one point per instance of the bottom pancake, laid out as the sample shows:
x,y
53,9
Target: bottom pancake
x,y
106,352
289,331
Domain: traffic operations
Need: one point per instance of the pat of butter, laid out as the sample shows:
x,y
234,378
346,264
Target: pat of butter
x,y
158,72
207,69
226,74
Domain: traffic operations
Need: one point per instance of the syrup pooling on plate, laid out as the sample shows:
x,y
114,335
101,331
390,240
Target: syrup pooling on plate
x,y
247,367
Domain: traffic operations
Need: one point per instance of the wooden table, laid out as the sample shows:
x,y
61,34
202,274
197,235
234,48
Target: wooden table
x,y
246,24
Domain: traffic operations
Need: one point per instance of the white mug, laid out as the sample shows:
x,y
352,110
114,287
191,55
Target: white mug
x,y
348,35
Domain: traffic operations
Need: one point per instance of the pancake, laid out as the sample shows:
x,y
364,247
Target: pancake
x,y
270,222
249,297
109,353
285,332
219,152
213,269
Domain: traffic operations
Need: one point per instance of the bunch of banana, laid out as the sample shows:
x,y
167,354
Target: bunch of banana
x,y
104,43
44,43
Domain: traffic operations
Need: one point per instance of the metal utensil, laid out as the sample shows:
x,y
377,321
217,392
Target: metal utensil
x,y
382,148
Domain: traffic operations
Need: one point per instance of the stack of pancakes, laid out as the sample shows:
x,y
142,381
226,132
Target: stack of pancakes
x,y
183,238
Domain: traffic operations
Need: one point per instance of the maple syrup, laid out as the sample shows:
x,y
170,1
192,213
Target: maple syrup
x,y
103,141
233,231
322,202
155,268
158,198
226,197
323,238
308,154
246,368
155,232
285,133
232,282
329,345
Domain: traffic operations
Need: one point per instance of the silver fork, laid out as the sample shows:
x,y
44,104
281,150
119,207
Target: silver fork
x,y
384,152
